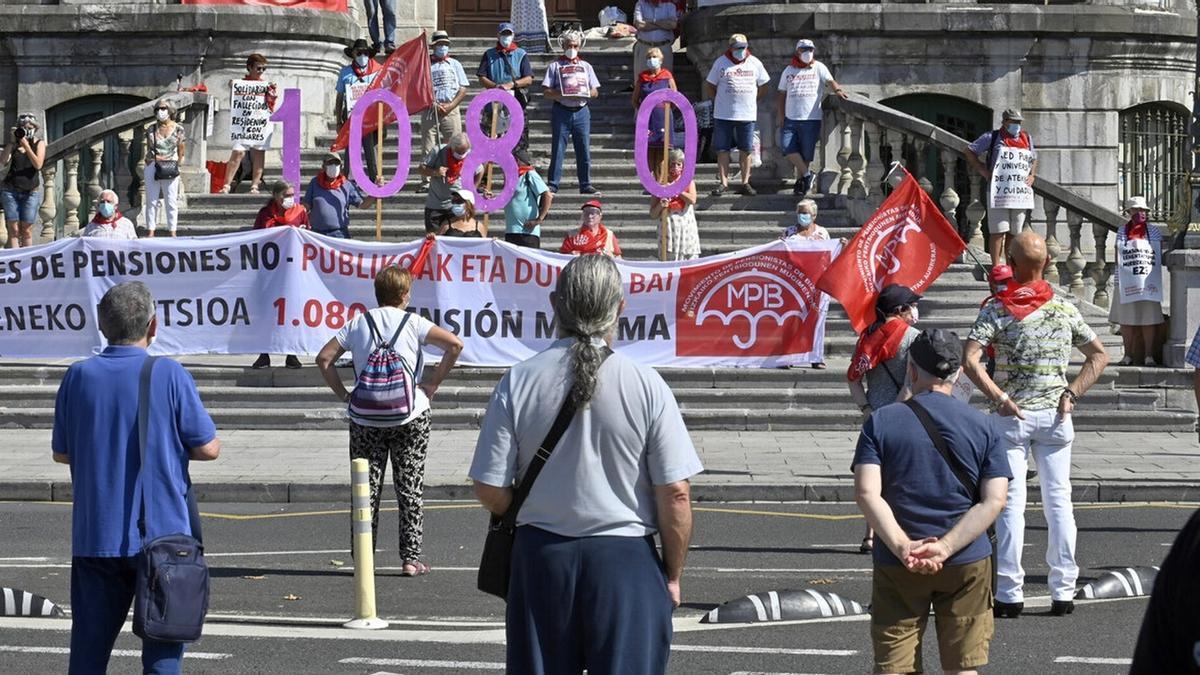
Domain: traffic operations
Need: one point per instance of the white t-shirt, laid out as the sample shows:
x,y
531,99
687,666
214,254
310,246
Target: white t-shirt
x,y
805,89
737,88
122,229
355,337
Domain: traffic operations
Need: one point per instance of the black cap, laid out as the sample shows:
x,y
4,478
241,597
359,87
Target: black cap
x,y
893,297
360,45
522,156
937,352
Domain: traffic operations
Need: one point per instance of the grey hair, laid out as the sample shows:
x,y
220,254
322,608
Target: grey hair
x,y
812,206
105,193
459,140
125,312
572,36
926,376
676,155
587,303
279,187
172,111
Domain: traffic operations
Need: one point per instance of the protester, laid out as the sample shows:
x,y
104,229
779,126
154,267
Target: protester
x,y
506,66
592,236
165,146
281,211
619,474
443,167
442,120
999,279
256,65
654,77
683,234
655,21
20,191
529,207
1139,319
329,197
384,41
931,493
1033,331
353,81
1002,223
736,82
405,442
1171,628
462,222
531,25
108,223
801,90
805,227
571,82
117,506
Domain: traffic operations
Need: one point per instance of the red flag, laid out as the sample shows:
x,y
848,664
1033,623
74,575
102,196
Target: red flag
x,y
907,241
418,265
406,74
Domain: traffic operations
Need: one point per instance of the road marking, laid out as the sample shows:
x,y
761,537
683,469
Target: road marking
x,y
45,559
756,672
420,663
275,553
1095,660
330,512
832,545
781,514
718,649
19,649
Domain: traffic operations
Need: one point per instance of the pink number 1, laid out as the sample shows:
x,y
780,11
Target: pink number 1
x,y
288,114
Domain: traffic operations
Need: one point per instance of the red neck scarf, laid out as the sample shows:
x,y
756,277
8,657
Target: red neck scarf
x,y
875,347
280,217
1136,230
506,50
1021,140
646,76
372,67
522,170
587,241
1024,300
107,221
453,166
330,183
729,55
676,203
797,63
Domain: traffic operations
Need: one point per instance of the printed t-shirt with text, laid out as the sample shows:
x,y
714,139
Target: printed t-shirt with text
x,y
448,76
574,79
805,89
737,88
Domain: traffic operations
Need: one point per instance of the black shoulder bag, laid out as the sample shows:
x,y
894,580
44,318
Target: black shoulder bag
x,y
495,567
519,92
171,592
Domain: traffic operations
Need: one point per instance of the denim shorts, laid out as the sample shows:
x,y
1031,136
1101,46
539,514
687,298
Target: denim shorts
x,y
21,206
800,137
728,134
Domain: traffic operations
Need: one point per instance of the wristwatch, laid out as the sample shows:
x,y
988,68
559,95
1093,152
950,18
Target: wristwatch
x,y
863,408
1071,395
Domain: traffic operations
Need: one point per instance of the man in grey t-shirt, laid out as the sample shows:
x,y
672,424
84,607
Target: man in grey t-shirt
x,y
618,475
443,169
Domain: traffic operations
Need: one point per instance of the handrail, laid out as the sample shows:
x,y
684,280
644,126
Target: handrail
x,y
891,118
126,119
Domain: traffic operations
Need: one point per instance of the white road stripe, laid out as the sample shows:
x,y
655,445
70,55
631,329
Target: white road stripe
x,y
421,663
1137,581
757,672
759,609
716,649
774,596
348,569
1093,660
45,559
19,649
247,554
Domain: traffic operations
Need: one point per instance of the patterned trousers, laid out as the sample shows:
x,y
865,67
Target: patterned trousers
x,y
406,444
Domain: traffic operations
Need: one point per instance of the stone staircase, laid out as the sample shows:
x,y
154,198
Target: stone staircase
x,y
727,399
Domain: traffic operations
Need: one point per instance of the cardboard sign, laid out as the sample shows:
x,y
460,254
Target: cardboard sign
x,y
1008,189
250,123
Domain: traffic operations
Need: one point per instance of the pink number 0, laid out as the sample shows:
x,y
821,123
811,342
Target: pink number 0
x,y
497,150
641,149
403,143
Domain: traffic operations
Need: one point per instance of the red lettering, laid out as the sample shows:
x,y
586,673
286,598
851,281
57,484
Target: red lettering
x,y
310,254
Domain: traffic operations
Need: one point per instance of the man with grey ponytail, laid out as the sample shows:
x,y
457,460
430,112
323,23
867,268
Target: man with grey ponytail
x,y
616,476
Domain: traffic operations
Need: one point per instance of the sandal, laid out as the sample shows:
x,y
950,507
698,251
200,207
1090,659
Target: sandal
x,y
414,568
819,365
224,189
254,189
867,545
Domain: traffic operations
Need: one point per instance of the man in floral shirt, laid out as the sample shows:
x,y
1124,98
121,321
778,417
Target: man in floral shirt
x,y
1033,331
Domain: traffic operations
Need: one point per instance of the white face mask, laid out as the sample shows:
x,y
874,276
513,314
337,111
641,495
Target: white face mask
x,y
289,202
571,52
362,60
333,170
505,40
458,156
162,115
806,56
739,53
915,315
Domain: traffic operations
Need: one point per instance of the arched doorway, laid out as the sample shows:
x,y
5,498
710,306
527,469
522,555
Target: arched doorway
x,y
66,117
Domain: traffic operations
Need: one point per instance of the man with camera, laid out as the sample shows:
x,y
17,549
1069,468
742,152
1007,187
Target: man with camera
x,y
21,187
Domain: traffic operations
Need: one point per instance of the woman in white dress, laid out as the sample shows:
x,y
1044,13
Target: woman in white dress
x,y
530,24
683,233
1139,319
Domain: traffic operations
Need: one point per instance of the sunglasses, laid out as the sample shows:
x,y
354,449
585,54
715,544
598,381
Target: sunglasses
x,y
163,108
260,70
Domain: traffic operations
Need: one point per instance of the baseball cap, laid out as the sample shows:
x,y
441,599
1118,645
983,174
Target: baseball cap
x,y
505,27
440,36
1013,114
738,40
893,297
1001,273
522,156
331,158
465,194
805,43
938,352
592,202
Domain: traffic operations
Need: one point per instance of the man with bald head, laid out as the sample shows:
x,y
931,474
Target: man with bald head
x,y
1033,330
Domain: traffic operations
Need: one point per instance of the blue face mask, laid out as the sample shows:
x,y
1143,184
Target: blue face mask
x,y
653,64
459,210
1012,128
362,60
739,54
441,51
804,219
107,209
506,40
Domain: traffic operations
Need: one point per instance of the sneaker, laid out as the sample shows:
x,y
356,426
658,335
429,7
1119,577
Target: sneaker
x,y
388,49
263,361
1007,610
422,188
748,190
553,189
588,190
1061,607
798,188
292,362
807,180
1030,474
720,190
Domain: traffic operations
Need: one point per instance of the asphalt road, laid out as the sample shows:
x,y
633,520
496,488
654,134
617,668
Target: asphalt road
x,y
282,585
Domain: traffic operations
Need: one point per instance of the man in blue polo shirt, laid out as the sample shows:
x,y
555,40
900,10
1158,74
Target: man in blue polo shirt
x,y
96,434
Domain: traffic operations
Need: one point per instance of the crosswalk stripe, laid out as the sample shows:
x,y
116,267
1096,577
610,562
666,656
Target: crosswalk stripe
x,y
787,651
1094,660
23,649
424,663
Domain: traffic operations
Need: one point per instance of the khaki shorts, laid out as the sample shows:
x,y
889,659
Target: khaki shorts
x,y
961,596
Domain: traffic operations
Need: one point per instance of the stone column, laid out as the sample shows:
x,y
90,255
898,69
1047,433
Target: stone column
x,y
975,213
71,196
1184,268
1053,248
49,210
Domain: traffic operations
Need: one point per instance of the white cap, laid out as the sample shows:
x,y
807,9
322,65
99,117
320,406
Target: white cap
x,y
805,43
467,195
1136,203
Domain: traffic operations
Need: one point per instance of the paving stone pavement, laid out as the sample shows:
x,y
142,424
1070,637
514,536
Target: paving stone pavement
x,y
279,466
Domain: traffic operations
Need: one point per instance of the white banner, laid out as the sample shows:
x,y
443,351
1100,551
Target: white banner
x,y
1008,188
250,123
1139,274
288,291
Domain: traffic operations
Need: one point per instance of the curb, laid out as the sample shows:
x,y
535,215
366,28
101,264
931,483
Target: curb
x,y
832,491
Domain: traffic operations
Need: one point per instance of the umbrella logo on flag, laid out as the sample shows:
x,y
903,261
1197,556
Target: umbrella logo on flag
x,y
887,240
752,296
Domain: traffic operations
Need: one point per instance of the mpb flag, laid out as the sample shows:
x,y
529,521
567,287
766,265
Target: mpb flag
x,y
907,241
406,74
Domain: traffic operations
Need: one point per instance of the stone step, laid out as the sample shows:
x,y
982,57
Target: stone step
x,y
766,206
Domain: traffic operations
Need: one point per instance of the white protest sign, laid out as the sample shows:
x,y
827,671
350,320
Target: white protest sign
x,y
355,90
1008,189
1139,276
250,123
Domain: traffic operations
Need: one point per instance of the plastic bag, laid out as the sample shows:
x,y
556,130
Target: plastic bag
x,y
735,155
610,15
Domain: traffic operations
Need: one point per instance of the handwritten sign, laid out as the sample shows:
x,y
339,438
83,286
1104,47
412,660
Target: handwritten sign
x,y
358,89
250,114
1008,189
1139,276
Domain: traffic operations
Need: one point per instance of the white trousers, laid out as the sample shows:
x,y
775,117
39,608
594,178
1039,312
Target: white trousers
x,y
1049,438
168,191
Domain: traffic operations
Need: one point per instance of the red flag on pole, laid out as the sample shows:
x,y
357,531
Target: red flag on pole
x,y
907,241
406,74
418,265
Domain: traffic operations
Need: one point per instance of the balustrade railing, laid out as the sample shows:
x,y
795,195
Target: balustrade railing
x,y
863,133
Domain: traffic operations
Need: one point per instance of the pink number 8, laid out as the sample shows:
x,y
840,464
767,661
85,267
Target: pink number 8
x,y
496,150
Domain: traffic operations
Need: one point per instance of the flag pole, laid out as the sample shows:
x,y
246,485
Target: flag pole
x,y
487,177
379,168
895,165
663,178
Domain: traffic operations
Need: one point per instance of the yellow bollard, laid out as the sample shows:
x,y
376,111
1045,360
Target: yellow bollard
x,y
364,549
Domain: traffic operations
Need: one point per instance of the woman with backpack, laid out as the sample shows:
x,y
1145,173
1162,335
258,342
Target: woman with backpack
x,y
389,411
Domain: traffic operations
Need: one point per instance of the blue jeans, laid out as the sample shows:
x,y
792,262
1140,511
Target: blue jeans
x,y
388,9
730,134
599,603
577,123
20,206
101,593
368,156
799,137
